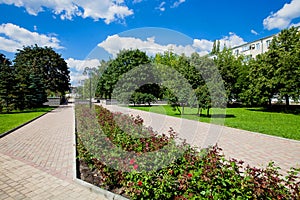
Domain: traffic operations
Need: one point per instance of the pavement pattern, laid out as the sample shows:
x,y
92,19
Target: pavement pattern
x,y
37,160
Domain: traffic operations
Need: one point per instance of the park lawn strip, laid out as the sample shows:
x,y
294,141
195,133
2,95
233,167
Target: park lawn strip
x,y
250,119
14,119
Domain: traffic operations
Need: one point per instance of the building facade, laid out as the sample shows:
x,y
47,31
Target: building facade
x,y
252,49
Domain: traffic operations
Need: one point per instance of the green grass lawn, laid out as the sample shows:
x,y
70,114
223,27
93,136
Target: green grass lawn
x,y
251,119
13,119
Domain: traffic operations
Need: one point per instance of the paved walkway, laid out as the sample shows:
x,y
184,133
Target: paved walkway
x,y
253,148
37,160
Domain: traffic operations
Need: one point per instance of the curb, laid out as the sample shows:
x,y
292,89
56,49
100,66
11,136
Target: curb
x,y
20,126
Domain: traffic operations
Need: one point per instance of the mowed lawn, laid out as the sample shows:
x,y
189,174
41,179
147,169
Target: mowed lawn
x,y
14,119
251,119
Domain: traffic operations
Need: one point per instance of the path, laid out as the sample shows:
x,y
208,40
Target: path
x,y
37,160
253,148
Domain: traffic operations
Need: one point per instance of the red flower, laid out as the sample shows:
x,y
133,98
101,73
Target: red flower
x,y
135,166
190,175
131,161
140,183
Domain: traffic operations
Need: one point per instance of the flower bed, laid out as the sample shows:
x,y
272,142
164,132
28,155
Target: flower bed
x,y
117,153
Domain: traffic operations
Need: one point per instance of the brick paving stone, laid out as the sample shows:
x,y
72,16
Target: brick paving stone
x,y
37,160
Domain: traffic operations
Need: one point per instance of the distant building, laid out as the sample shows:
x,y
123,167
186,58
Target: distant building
x,y
252,49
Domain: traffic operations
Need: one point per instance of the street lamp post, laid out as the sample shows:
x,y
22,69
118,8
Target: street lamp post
x,y
89,71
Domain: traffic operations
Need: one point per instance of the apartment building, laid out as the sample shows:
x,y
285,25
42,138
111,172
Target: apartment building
x,y
252,49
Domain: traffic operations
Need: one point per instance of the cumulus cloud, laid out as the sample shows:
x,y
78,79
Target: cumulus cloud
x,y
283,17
14,37
232,40
76,78
108,10
80,65
177,3
77,67
113,44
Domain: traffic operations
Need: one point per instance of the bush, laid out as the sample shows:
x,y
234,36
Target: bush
x,y
191,174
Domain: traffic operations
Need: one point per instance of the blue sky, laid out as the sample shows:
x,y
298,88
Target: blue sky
x,y
83,31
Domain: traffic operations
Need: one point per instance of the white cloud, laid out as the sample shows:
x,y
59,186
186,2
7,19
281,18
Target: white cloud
x,y
77,67
13,37
80,65
161,6
254,32
232,40
108,10
76,78
177,3
113,44
283,17
137,1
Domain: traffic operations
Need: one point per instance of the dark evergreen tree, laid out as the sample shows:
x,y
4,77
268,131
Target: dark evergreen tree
x,y
39,71
7,84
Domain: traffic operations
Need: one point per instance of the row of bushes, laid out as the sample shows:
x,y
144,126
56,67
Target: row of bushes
x,y
127,158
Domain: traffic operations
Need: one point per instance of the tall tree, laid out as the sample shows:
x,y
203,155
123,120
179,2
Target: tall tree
x,y
230,68
125,61
7,84
43,68
285,49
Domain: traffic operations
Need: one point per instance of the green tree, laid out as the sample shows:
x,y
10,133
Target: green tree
x,y
285,49
7,84
277,71
230,68
39,71
260,87
180,78
125,61
210,92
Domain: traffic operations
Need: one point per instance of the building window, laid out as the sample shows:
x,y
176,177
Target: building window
x,y
245,48
252,46
268,43
258,46
237,52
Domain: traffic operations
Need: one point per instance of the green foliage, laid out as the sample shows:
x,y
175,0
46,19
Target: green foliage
x,y
230,67
277,71
7,84
46,62
125,61
193,174
142,98
36,73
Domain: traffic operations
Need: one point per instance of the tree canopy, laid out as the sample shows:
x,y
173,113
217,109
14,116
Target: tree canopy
x,y
36,73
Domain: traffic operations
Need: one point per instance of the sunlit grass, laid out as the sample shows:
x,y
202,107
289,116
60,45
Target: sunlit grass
x,y
251,119
14,119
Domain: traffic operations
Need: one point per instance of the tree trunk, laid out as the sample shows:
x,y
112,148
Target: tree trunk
x,y
183,108
270,102
287,102
199,110
207,112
